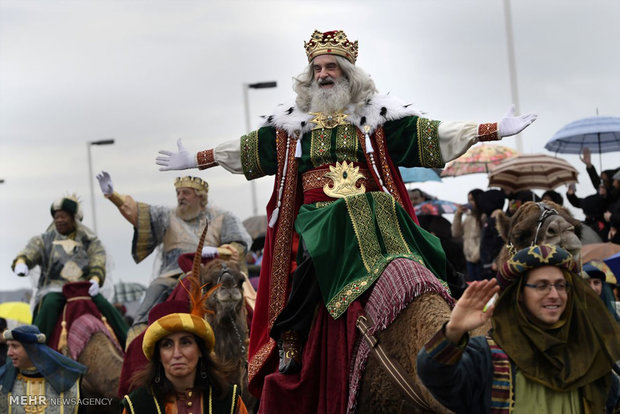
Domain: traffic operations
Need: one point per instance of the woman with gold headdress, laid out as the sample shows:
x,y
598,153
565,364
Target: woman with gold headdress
x,y
551,350
183,375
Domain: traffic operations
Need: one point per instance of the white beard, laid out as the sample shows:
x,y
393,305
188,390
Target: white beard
x,y
187,212
330,100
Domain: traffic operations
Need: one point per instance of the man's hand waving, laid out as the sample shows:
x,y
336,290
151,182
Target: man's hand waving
x,y
105,182
180,160
469,312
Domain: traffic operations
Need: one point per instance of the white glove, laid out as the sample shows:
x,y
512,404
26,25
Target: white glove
x,y
512,125
181,160
21,269
93,290
209,251
105,182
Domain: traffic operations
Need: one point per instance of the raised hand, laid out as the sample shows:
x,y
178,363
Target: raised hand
x,y
180,160
512,125
469,312
585,156
105,182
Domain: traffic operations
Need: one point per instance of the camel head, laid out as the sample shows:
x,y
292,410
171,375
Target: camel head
x,y
535,223
227,300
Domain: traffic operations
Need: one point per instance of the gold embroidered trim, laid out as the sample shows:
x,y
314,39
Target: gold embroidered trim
x,y
35,387
389,227
428,143
388,179
259,359
126,397
284,231
320,146
250,160
346,143
234,396
143,227
361,217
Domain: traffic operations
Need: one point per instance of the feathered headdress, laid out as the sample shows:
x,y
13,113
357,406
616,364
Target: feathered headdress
x,y
193,321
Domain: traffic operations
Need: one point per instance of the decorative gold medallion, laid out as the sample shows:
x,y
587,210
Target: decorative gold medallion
x,y
68,245
328,121
344,178
71,271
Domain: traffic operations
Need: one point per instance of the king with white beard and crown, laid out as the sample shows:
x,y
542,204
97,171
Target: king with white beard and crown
x,y
339,212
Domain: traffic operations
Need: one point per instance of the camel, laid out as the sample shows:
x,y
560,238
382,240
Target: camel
x,y
424,316
91,342
540,222
104,364
229,323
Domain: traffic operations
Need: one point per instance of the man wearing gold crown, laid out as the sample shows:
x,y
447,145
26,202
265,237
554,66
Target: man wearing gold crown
x,y
177,231
68,251
339,215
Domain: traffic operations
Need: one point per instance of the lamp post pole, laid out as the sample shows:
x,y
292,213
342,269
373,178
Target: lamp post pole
x,y
512,67
90,174
246,106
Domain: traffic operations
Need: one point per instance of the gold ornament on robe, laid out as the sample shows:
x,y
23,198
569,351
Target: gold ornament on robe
x,y
323,121
71,271
68,245
344,178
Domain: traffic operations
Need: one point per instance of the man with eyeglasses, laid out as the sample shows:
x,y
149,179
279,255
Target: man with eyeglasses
x,y
551,350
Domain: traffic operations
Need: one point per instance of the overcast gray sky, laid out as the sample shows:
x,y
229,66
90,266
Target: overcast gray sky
x,y
148,72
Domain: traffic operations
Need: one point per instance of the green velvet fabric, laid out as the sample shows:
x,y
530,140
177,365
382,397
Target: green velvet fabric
x,y
353,239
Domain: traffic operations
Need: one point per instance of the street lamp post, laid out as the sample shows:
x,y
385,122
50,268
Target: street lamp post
x,y
246,105
90,174
512,67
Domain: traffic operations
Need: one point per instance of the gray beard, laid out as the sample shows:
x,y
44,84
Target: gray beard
x,y
330,100
187,213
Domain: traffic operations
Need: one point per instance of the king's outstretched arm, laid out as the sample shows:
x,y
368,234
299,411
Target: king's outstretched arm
x,y
226,155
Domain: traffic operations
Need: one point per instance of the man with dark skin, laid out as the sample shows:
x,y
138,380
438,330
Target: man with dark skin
x,y
68,251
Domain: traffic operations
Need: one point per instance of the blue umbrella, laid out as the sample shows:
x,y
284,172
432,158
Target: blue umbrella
x,y
418,174
600,134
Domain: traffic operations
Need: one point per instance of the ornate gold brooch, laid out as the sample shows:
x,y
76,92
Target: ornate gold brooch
x,y
328,121
344,177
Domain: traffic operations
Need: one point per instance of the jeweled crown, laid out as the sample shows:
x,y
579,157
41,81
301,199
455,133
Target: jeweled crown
x,y
191,182
331,43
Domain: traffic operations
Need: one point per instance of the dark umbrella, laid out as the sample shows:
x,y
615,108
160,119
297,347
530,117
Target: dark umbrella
x,y
528,171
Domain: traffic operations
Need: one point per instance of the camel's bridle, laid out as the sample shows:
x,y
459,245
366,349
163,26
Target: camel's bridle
x,y
545,212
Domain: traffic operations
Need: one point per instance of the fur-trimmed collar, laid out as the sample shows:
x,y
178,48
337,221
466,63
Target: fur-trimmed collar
x,y
373,113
